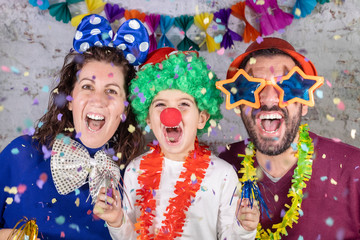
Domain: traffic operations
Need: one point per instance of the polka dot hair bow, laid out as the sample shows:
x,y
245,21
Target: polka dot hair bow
x,y
131,37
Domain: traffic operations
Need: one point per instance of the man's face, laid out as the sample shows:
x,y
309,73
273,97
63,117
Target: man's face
x,y
271,128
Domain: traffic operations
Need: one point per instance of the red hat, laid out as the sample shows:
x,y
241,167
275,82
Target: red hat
x,y
276,43
161,54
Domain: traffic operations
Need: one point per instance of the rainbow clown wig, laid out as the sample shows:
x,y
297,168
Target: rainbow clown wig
x,y
167,69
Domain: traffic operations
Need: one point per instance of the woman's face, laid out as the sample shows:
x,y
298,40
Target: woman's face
x,y
98,102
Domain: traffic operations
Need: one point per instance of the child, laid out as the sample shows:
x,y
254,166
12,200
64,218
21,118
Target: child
x,y
178,189
46,176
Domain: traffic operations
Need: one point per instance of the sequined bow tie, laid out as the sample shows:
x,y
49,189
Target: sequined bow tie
x,y
72,167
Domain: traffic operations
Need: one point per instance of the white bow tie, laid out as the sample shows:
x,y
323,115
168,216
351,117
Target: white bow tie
x,y
71,165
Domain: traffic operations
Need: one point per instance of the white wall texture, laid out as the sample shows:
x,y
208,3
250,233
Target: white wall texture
x,y
33,45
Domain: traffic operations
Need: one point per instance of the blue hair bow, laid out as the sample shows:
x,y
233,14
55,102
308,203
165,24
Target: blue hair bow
x,y
131,37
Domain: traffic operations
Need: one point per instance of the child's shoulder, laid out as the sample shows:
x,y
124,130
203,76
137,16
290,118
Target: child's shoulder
x,y
220,164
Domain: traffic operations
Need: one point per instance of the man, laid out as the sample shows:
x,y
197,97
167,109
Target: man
x,y
310,184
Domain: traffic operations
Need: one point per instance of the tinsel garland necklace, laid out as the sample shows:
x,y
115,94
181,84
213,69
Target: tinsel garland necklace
x,y
195,166
302,173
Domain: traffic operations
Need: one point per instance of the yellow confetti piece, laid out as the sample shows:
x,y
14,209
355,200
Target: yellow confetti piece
x,y
13,190
336,101
352,133
237,111
131,128
276,198
6,189
118,155
333,181
122,166
212,123
203,91
193,177
219,126
69,129
337,37
233,90
53,200
56,90
26,74
77,202
252,60
260,2
341,165
324,156
297,12
330,118
211,75
1,108
9,200
227,146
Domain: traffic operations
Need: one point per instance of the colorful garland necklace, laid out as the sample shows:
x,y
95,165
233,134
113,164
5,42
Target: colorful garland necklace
x,y
302,173
195,166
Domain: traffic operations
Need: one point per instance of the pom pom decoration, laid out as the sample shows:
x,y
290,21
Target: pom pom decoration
x,y
129,14
184,22
272,17
302,8
93,7
61,10
229,36
113,12
166,23
203,21
152,21
42,4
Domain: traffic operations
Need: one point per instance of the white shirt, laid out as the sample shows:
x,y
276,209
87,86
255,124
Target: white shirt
x,y
211,214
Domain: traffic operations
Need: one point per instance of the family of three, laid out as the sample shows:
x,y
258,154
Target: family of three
x,y
83,174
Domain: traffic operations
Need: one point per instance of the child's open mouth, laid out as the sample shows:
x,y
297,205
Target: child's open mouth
x,y
173,134
95,122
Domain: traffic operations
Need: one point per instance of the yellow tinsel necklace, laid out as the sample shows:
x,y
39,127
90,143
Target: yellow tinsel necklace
x,y
302,173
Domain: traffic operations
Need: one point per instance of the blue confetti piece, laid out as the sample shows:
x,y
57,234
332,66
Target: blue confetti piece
x,y
40,124
75,227
14,70
15,151
45,88
294,146
319,94
66,140
323,178
329,221
268,164
221,27
304,147
77,192
301,238
60,220
147,128
301,213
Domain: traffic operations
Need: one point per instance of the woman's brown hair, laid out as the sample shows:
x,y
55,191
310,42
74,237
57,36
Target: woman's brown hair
x,y
124,142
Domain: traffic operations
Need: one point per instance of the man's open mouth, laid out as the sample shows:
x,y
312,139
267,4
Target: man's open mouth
x,y
271,122
94,122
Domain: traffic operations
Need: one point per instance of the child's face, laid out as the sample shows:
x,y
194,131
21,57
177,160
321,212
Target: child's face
x,y
176,142
98,102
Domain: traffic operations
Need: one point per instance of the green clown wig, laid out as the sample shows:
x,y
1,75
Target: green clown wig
x,y
183,71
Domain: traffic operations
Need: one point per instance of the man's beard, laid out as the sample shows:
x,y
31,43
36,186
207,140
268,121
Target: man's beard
x,y
266,145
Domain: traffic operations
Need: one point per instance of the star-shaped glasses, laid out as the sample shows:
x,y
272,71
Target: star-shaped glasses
x,y
296,86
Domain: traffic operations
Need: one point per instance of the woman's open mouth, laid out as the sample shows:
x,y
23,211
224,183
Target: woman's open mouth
x,y
94,122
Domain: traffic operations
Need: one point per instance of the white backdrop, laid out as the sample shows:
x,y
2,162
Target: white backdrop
x,y
33,45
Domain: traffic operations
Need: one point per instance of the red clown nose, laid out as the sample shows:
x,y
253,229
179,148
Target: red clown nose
x,y
170,117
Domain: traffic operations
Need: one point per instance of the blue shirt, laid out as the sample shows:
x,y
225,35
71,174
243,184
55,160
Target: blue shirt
x,y
22,165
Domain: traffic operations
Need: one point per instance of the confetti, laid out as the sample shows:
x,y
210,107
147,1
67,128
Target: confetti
x,y
276,198
1,108
352,133
35,102
45,88
62,234
212,123
15,151
110,75
233,90
259,39
211,75
75,227
329,221
336,101
77,202
131,128
53,200
203,91
337,37
319,93
330,118
218,38
21,188
60,220
78,135
324,156
333,181
297,12
221,51
206,20
147,128
301,238
252,61
9,200
26,74
328,83
14,70
59,116
5,69
323,178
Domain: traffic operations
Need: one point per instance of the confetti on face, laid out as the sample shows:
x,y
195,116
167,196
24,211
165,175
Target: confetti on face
x,y
78,135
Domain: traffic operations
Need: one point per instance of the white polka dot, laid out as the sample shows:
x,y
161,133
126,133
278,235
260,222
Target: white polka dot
x,y
134,24
95,31
131,58
129,38
122,46
78,35
144,46
84,46
111,44
98,43
111,33
95,20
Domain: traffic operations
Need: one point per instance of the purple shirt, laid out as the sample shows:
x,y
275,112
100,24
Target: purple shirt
x,y
331,203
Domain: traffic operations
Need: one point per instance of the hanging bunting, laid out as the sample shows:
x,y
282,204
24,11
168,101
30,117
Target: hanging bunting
x,y
323,1
302,8
222,17
272,18
203,21
152,21
93,7
184,22
129,14
113,12
166,23
250,33
61,11
43,4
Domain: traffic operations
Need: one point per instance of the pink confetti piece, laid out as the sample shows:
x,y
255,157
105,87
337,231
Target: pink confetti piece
x,y
221,51
5,69
110,75
21,188
336,140
341,106
259,39
328,83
